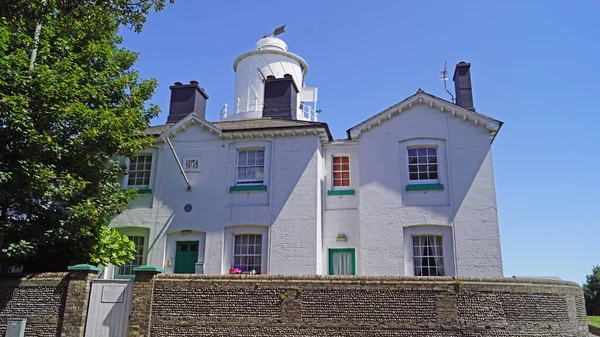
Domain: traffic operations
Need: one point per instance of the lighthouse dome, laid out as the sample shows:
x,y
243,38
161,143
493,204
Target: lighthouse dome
x,y
271,43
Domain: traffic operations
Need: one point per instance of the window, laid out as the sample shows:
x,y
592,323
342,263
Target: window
x,y
139,171
138,256
428,255
341,171
341,261
247,251
251,167
423,164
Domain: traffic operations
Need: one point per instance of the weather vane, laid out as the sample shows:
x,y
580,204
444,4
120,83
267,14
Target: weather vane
x,y
277,31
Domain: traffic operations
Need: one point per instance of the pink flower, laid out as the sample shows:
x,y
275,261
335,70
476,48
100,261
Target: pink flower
x,y
237,271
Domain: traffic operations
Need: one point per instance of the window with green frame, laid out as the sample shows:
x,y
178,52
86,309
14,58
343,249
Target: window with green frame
x,y
342,261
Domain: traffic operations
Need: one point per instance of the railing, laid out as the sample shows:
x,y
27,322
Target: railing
x,y
308,112
243,105
256,105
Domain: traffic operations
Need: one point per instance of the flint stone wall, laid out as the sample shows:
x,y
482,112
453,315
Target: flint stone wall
x,y
271,305
40,298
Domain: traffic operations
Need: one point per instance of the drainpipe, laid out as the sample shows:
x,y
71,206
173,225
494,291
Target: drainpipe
x,y
187,182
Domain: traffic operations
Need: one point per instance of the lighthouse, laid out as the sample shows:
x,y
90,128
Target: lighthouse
x,y
270,83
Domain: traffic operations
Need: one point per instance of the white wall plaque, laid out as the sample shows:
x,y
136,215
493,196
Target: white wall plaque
x,y
191,164
113,293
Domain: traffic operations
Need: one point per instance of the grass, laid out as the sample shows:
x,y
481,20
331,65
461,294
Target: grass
x,y
594,320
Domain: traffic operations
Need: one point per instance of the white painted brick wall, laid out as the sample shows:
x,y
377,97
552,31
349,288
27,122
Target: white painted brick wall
x,y
289,206
471,210
304,221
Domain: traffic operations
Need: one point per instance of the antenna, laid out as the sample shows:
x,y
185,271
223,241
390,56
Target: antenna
x,y
444,77
278,31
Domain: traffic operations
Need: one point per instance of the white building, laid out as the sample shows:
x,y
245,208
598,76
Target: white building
x,y
267,188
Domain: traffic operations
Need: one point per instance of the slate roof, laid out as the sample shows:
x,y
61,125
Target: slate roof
x,y
250,124
157,129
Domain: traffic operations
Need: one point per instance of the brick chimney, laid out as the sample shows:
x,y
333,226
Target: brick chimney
x,y
462,85
185,99
281,95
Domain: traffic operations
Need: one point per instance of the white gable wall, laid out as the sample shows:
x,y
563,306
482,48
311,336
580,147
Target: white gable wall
x,y
467,203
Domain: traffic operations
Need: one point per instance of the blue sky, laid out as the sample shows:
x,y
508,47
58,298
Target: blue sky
x,y
535,66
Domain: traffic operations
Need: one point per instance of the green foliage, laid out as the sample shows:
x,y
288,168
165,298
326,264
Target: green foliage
x,y
130,13
591,292
594,320
62,125
112,247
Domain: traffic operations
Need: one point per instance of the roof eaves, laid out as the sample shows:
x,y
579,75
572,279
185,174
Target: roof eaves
x,y
190,119
444,105
313,125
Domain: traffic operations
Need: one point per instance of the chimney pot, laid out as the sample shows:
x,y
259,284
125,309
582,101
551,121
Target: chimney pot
x,y
194,82
178,83
462,85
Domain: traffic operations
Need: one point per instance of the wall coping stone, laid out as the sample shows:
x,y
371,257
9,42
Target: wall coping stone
x,y
148,268
85,267
370,279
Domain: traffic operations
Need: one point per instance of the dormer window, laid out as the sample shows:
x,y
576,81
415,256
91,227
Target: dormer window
x,y
251,167
140,168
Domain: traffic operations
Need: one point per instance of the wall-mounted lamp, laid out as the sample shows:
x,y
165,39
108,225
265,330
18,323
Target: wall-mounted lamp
x,y
341,237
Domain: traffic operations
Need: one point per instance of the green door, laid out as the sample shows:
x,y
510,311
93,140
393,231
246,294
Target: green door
x,y
186,257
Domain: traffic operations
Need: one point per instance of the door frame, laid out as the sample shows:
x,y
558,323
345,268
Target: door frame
x,y
342,250
171,248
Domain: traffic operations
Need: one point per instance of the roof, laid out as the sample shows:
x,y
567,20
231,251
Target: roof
x,y
157,129
421,97
246,125
265,123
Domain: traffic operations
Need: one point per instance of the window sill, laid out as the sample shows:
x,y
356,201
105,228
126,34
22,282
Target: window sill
x,y
340,192
248,188
141,191
424,187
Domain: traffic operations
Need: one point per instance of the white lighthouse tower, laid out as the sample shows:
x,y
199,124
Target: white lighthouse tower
x,y
269,60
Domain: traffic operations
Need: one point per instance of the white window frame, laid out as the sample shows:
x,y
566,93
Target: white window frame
x,y
439,230
240,254
249,182
127,163
228,245
333,187
439,265
437,155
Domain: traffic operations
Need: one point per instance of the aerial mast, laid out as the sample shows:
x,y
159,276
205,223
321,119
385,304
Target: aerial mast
x,y
444,78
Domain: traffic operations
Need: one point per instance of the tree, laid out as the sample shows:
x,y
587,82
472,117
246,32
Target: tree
x,y
591,292
62,125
